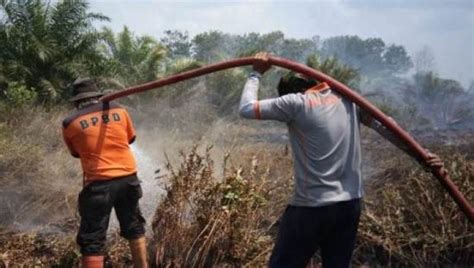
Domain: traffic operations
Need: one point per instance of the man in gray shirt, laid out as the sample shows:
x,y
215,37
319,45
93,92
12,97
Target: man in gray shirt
x,y
324,135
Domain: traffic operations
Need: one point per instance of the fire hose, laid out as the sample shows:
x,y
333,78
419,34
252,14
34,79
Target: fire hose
x,y
342,89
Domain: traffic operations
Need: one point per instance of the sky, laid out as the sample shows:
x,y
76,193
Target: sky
x,y
445,26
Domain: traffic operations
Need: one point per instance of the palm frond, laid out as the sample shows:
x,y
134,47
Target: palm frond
x,y
333,68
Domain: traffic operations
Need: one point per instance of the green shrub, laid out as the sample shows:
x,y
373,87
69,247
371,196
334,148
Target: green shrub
x,y
17,94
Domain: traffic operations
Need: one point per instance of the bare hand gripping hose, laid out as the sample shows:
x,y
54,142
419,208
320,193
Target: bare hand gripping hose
x,y
344,90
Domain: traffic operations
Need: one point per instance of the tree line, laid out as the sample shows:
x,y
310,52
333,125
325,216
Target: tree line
x,y
45,46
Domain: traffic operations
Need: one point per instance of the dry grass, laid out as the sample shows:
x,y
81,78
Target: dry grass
x,y
207,221
226,214
39,179
408,220
37,250
51,249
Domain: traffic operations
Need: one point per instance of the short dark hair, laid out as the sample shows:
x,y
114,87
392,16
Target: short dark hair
x,y
292,82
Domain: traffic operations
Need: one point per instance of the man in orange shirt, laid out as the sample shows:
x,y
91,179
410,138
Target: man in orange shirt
x,y
100,134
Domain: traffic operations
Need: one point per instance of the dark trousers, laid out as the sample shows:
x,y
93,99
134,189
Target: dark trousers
x,y
96,201
303,230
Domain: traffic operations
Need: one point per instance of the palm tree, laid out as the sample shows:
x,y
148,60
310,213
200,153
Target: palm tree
x,y
46,46
332,67
445,101
131,60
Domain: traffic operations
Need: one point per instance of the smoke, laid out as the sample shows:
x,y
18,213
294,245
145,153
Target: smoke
x,y
445,26
184,116
187,114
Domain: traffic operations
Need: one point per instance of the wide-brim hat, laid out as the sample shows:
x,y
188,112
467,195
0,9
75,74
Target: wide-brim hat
x,y
84,88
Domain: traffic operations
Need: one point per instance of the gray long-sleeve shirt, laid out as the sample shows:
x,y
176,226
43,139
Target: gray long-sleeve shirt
x,y
324,135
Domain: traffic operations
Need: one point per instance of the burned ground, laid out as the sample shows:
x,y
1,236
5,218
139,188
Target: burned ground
x,y
221,206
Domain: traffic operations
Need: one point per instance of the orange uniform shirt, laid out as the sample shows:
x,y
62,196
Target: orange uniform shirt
x,y
100,135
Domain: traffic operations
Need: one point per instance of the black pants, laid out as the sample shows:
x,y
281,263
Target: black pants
x,y
96,201
303,230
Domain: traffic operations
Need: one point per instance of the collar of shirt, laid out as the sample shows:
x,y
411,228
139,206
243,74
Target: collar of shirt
x,y
318,88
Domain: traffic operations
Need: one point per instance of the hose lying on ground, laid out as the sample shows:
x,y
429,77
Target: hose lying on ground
x,y
342,89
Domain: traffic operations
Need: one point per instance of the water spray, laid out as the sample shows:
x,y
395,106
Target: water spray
x,y
417,150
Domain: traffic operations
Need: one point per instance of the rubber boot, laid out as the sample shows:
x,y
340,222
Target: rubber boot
x,y
93,262
138,249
